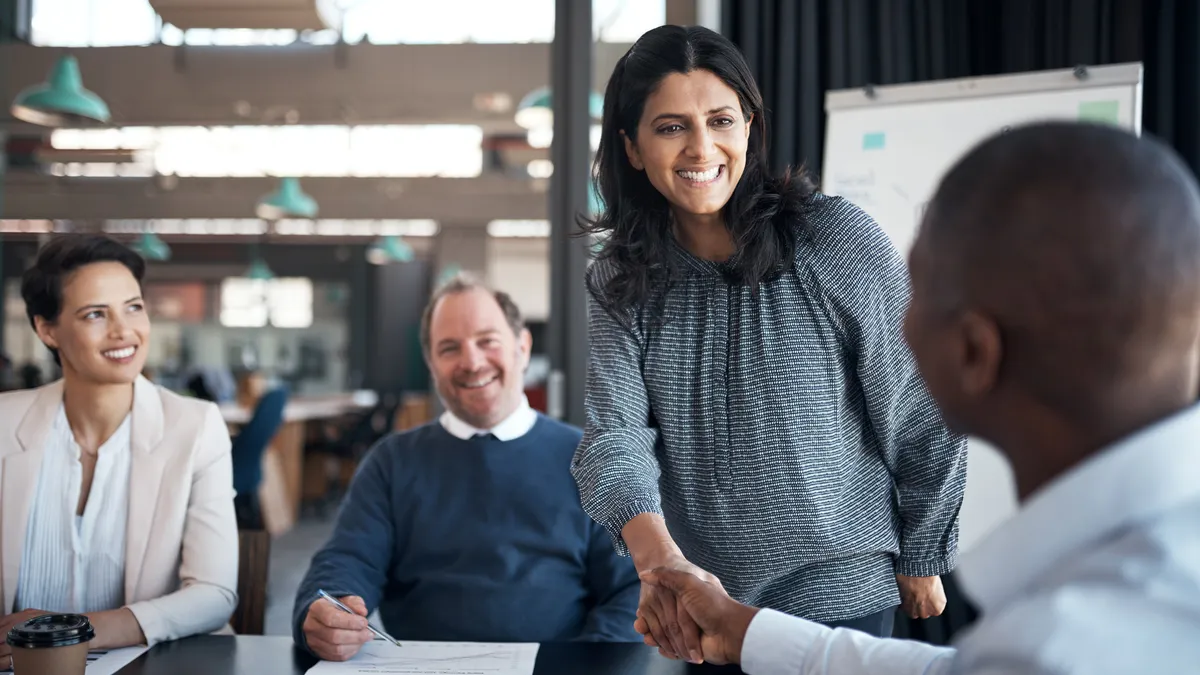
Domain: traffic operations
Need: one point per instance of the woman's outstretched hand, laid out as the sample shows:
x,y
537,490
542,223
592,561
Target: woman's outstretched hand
x,y
662,619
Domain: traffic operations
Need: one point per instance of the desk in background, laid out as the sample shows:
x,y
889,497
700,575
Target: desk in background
x,y
247,655
283,463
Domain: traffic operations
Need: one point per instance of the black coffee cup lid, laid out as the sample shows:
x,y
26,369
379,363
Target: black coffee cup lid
x,y
52,630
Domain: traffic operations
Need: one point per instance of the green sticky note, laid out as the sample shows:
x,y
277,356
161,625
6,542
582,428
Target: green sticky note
x,y
1099,111
874,141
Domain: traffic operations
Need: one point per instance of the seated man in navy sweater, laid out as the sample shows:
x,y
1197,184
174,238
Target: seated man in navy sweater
x,y
469,528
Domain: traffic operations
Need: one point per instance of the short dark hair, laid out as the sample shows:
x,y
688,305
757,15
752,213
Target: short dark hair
x,y
42,284
762,214
1083,242
461,283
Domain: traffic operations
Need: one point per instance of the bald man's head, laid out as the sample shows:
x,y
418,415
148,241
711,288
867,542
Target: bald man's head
x,y
1059,262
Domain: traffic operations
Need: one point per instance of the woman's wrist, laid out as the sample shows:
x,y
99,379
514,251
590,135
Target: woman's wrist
x,y
116,628
650,544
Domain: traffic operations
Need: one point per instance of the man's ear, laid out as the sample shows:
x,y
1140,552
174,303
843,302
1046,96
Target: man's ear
x,y
982,352
631,151
525,341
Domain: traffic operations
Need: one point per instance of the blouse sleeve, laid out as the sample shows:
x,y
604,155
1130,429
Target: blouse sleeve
x,y
615,465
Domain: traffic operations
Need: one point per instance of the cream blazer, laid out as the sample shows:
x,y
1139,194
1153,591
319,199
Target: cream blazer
x,y
181,549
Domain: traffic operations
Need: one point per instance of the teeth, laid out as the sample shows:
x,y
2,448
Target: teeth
x,y
120,353
479,383
701,176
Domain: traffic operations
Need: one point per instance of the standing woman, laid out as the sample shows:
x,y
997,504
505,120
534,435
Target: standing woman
x,y
116,495
753,413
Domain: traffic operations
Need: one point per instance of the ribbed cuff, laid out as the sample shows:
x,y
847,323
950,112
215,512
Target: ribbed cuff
x,y
616,520
927,567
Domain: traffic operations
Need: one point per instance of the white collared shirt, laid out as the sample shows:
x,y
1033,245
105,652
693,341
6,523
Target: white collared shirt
x,y
77,563
510,428
1099,572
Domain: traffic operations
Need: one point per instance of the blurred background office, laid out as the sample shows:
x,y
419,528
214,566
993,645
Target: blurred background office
x,y
301,173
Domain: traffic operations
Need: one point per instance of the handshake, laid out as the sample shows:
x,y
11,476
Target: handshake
x,y
686,613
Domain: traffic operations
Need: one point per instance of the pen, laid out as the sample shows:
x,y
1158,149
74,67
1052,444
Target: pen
x,y
337,603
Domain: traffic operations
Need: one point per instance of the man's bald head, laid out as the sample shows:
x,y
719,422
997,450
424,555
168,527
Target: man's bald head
x,y
1081,243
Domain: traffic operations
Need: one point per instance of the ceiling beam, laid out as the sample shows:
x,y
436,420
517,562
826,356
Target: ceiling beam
x,y
293,14
478,84
32,196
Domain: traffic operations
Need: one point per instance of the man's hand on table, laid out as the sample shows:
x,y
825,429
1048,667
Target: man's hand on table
x,y
334,635
722,621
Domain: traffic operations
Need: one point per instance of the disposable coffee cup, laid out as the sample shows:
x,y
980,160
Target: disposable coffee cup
x,y
51,643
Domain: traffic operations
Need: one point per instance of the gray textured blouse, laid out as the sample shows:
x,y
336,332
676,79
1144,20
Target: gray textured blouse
x,y
787,439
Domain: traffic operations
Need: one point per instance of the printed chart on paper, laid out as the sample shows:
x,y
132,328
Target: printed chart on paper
x,y
435,658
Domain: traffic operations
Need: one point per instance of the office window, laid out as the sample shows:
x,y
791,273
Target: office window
x,y
290,302
92,23
393,150
255,303
108,23
243,303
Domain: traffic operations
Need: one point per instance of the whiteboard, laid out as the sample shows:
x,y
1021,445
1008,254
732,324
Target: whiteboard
x,y
887,148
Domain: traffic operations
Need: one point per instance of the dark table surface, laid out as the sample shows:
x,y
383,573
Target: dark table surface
x,y
252,655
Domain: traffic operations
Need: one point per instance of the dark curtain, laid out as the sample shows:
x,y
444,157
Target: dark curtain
x,y
799,49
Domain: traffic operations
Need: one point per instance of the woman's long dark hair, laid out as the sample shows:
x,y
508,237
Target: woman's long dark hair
x,y
636,220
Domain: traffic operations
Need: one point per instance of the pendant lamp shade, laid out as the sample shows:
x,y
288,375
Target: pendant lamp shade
x,y
259,270
151,247
388,250
61,100
536,110
595,204
288,201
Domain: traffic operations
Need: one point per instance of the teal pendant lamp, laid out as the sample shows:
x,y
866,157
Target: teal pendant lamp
x,y
388,250
151,247
536,110
452,270
259,271
61,100
595,204
288,201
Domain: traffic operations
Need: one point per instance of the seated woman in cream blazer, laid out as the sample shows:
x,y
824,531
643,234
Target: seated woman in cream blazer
x,y
116,495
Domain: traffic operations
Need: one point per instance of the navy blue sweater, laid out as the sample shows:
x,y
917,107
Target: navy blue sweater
x,y
475,540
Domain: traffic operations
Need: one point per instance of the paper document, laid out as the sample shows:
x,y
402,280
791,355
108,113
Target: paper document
x,y
107,662
113,660
435,658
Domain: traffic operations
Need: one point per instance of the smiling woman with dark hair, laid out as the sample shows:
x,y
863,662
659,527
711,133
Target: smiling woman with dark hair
x,y
753,414
117,496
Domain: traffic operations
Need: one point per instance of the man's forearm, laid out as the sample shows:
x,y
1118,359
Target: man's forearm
x,y
778,644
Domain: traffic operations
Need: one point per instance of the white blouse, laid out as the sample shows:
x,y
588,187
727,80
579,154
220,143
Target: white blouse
x,y
77,563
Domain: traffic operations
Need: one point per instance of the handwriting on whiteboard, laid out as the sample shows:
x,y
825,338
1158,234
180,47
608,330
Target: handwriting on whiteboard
x,y
856,186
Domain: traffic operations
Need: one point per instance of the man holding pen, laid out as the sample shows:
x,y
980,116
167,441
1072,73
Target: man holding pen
x,y
469,528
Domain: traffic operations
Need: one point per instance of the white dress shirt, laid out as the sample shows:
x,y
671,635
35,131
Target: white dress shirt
x,y
1099,572
77,563
510,428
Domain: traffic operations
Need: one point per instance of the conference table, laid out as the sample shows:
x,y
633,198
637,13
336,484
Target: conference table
x,y
273,655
